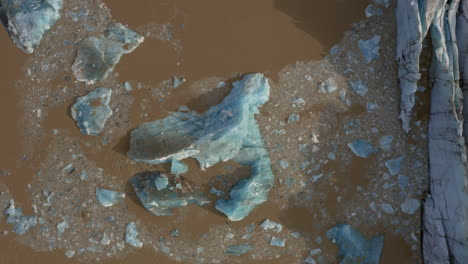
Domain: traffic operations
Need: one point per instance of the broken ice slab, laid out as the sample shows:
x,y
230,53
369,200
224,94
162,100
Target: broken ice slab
x,y
293,118
92,111
131,233
178,168
394,165
161,202
370,48
226,131
108,198
97,56
385,143
359,87
21,223
362,148
328,86
176,81
28,20
277,242
161,182
238,250
354,247
271,225
410,206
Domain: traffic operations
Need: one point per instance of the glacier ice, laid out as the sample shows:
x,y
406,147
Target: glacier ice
x,y
362,148
28,20
161,202
97,56
108,198
227,131
92,111
370,48
21,223
354,247
131,233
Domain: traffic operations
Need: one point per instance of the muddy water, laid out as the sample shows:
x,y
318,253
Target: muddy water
x,y
218,38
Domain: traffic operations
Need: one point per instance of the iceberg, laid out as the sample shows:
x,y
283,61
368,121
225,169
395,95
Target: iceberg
x,y
28,20
362,148
354,247
394,165
161,202
131,233
370,48
97,56
92,111
227,131
108,198
21,223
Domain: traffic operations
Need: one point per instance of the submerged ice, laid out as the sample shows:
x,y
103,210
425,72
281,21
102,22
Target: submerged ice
x,y
227,131
92,111
28,20
97,56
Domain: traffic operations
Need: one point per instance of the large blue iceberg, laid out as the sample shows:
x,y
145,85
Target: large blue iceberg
x,y
97,56
354,247
227,131
28,20
92,111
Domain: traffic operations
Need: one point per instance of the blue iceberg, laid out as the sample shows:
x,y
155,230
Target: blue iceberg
x,y
370,48
362,148
21,223
28,20
227,131
92,111
354,247
108,198
161,202
97,56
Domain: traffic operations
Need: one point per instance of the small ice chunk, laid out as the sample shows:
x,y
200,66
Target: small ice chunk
x,y
371,107
410,206
373,11
221,84
362,148
175,233
127,86
385,3
61,227
270,225
403,181
69,253
84,176
216,192
69,168
370,48
331,156
328,86
334,50
131,233
359,87
105,240
176,81
284,164
108,198
296,235
394,165
298,102
352,126
310,260
385,143
277,242
293,118
21,223
314,252
178,167
92,111
387,208
161,182
238,250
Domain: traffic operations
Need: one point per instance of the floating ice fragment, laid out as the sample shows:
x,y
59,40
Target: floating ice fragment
x,y
293,118
387,208
359,87
131,233
352,126
277,242
385,143
403,181
298,102
128,86
334,50
370,48
175,233
328,86
238,250
373,11
161,202
105,240
69,168
108,198
270,225
284,164
220,84
371,107
28,20
354,247
178,168
314,252
362,148
310,260
97,56
296,235
226,131
21,223
92,111
69,253
84,176
216,192
61,227
176,81
331,156
385,3
394,165
410,206
161,182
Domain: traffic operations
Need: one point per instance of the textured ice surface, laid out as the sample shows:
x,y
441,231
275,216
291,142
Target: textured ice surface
x,y
410,206
370,48
97,56
354,247
107,197
270,225
92,111
227,131
359,87
131,233
328,86
394,165
362,148
28,20
21,223
178,167
238,250
161,202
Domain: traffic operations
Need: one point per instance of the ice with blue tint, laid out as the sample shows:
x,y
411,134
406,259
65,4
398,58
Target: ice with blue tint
x,y
238,250
354,247
362,148
271,225
359,87
161,202
21,223
92,111
277,242
178,167
385,143
28,20
410,206
227,131
108,198
394,165
97,56
131,235
370,48
373,11
328,86
161,182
